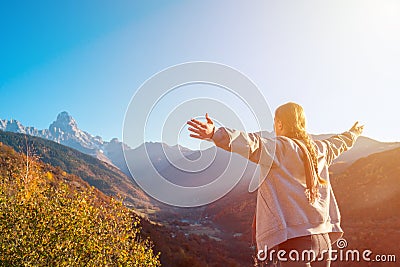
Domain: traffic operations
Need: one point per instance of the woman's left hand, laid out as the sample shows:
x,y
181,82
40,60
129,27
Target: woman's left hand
x,y
201,130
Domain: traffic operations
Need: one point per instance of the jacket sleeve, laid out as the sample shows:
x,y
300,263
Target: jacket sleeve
x,y
249,145
338,144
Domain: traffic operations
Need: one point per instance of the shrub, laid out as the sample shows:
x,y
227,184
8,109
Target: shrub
x,y
50,218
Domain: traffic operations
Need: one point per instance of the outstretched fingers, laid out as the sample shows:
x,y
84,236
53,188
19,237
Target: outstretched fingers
x,y
194,130
357,128
196,136
196,124
357,125
199,129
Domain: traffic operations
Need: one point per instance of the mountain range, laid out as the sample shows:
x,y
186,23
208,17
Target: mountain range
x,y
103,176
165,159
65,130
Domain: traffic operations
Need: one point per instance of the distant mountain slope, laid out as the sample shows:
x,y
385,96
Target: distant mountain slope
x,y
97,173
371,181
368,193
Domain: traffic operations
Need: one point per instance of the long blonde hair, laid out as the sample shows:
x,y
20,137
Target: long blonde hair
x,y
293,119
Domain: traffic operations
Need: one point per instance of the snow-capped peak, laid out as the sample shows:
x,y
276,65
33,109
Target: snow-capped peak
x,y
65,123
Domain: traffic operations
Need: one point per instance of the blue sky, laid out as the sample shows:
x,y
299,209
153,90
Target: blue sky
x,y
339,59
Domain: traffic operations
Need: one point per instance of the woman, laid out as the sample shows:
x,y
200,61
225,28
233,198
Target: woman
x,y
297,215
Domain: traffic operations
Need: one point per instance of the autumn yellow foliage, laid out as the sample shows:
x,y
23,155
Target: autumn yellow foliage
x,y
50,218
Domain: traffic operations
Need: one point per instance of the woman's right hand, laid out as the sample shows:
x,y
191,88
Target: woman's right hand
x,y
201,130
357,129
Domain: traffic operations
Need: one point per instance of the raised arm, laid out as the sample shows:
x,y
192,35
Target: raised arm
x,y
248,145
340,143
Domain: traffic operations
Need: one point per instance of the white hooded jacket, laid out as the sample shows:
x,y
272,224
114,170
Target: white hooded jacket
x,y
283,210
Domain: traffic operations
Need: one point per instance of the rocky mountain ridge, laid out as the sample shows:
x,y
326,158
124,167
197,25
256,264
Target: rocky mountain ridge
x,y
65,130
